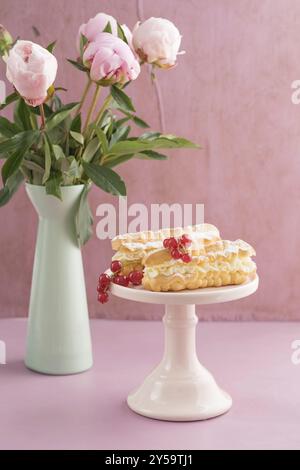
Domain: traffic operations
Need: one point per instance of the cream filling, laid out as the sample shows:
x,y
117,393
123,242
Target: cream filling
x,y
245,265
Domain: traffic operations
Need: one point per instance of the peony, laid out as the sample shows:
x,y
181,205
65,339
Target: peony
x,y
111,60
32,70
96,26
157,41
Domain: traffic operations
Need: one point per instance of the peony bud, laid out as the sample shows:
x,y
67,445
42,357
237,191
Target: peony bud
x,y
5,41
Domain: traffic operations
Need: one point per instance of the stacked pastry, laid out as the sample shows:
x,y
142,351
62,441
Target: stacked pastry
x,y
133,248
213,262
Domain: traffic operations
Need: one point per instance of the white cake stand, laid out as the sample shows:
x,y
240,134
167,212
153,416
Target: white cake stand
x,y
180,388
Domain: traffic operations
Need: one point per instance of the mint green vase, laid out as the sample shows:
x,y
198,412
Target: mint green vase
x,y
58,340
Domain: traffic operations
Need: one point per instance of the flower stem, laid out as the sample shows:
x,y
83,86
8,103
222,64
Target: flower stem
x,y
92,107
100,113
85,93
43,119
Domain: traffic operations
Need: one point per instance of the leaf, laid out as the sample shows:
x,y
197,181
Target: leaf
x,y
112,162
12,185
102,139
84,218
7,128
19,144
78,66
48,160
83,41
91,149
121,133
22,115
78,137
121,34
33,166
60,115
9,99
150,154
139,122
76,123
121,98
58,152
73,170
140,145
107,28
12,164
53,187
50,48
105,178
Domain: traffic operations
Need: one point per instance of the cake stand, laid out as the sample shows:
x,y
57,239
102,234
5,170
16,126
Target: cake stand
x,y
180,388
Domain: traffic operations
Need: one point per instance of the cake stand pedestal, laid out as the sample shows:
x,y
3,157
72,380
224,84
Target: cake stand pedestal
x,y
180,388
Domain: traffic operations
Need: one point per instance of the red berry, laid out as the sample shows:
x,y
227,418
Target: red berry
x,y
173,243
185,240
135,277
186,258
121,280
166,242
116,266
103,297
175,254
104,281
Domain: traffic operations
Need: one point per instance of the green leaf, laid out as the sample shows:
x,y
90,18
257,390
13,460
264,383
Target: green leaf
x,y
48,160
7,128
150,154
140,145
120,134
91,149
53,187
78,137
76,123
21,141
105,178
60,115
12,185
12,164
121,34
107,28
84,218
73,170
50,48
102,139
22,115
114,161
58,152
33,166
78,66
83,42
121,98
139,122
9,99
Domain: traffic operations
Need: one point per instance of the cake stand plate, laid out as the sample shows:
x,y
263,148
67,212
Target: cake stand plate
x,y
180,388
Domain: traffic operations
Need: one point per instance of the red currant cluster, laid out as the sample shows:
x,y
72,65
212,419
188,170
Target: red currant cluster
x,y
134,278
178,246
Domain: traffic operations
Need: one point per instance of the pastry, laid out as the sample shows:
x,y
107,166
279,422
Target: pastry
x,y
213,265
132,248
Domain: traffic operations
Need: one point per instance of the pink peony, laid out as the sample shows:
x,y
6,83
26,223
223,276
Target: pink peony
x,y
95,26
157,41
32,70
111,60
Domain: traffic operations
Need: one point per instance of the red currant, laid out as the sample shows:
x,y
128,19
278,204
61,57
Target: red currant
x,y
175,254
166,242
135,277
104,281
116,266
186,258
173,243
185,240
121,280
103,297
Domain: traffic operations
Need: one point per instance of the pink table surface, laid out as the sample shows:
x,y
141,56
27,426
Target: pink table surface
x,y
252,361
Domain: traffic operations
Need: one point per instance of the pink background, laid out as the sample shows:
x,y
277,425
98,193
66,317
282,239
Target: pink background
x,y
231,92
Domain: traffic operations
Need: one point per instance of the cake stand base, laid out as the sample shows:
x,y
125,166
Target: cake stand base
x,y
180,388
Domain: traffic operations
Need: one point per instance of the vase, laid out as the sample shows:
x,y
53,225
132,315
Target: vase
x,y
58,339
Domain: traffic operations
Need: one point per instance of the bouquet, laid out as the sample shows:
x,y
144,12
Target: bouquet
x,y
48,143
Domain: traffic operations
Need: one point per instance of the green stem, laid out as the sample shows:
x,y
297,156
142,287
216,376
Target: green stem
x,y
43,119
92,107
100,113
85,93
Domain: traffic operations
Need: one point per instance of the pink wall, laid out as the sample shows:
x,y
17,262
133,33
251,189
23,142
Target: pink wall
x,y
231,93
